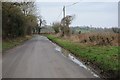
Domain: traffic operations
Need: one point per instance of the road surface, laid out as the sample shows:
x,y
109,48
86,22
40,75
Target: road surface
x,y
0,65
37,58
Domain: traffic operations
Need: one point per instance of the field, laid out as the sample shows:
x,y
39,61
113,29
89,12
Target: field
x,y
103,57
96,38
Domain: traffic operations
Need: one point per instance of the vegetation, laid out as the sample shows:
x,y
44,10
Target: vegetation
x,y
56,26
104,57
65,22
116,30
17,19
87,29
39,27
95,45
96,38
63,27
8,44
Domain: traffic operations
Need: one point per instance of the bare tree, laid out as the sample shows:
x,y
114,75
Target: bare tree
x,y
65,22
28,8
41,25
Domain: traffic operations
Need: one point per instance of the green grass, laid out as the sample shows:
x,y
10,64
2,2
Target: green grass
x,y
7,44
106,57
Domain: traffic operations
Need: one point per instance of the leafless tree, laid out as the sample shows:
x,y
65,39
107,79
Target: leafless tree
x,y
65,22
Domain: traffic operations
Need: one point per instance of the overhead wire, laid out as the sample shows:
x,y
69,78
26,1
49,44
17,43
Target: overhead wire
x,y
72,4
62,10
59,15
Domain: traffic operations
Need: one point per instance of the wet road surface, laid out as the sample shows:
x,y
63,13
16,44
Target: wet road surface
x,y
38,58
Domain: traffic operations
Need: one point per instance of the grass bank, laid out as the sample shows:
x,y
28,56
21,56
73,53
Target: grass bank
x,y
104,57
7,44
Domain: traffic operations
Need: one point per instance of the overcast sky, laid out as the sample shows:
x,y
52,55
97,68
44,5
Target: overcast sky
x,y
97,14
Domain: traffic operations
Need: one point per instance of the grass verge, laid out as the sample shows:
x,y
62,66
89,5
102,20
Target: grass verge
x,y
7,44
104,57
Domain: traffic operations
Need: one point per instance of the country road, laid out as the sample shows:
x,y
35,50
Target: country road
x,y
37,58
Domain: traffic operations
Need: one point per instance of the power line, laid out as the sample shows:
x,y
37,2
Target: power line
x,y
64,8
72,4
59,15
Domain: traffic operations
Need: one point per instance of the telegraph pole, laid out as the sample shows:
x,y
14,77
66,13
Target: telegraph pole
x,y
67,6
63,31
63,11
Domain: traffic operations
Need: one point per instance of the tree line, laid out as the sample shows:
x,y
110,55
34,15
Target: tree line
x,y
18,19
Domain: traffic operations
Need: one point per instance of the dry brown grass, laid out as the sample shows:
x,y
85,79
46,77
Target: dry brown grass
x,y
104,38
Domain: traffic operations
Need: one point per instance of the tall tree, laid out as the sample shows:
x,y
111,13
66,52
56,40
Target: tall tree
x,y
15,22
28,8
41,25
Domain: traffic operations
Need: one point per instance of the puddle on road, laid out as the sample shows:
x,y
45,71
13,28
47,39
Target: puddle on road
x,y
81,64
77,61
58,49
70,56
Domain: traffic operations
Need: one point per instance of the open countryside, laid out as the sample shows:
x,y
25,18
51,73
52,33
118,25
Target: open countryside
x,y
58,44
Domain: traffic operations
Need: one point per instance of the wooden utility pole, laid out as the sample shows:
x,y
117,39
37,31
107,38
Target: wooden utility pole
x,y
63,11
63,27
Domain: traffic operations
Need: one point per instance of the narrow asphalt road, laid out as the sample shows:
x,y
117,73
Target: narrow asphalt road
x,y
37,58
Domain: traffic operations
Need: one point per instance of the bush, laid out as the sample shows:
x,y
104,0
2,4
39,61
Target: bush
x,y
56,26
